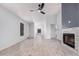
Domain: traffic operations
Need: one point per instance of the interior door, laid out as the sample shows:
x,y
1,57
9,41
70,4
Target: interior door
x,y
53,31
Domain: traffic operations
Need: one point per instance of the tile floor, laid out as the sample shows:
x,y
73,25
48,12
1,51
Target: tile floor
x,y
38,47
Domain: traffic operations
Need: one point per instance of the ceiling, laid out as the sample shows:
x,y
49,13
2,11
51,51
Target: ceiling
x,y
23,9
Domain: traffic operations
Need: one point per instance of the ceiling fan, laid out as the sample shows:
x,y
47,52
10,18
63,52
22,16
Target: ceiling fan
x,y
40,7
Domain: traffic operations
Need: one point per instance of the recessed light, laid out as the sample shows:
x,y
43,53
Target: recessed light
x,y
69,21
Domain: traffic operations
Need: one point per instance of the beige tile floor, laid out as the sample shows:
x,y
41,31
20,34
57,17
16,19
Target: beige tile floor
x,y
38,47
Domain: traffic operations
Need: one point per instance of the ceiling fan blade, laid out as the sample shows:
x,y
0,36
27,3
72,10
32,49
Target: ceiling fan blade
x,y
41,6
42,12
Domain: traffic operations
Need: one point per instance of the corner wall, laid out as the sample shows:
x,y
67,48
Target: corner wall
x,y
59,25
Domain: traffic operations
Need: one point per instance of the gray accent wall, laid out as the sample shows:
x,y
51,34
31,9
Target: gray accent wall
x,y
70,12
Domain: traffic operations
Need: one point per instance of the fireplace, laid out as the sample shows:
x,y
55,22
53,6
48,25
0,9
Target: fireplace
x,y
69,39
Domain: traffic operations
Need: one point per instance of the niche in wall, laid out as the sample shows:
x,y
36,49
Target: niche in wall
x,y
21,29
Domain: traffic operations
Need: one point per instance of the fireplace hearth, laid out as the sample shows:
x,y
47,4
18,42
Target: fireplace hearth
x,y
69,39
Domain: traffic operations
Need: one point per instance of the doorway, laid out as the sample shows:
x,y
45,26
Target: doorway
x,y
31,30
53,31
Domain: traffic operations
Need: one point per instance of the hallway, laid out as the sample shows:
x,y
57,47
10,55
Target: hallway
x,y
35,47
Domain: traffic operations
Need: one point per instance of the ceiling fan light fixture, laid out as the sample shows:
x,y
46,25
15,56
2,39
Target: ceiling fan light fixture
x,y
38,11
42,12
40,7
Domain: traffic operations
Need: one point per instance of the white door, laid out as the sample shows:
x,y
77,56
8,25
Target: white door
x,y
31,30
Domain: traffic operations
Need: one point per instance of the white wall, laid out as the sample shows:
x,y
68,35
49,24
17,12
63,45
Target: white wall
x,y
10,28
39,22
53,30
55,19
44,22
59,25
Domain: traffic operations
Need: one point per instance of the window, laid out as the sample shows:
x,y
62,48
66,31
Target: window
x,y
21,29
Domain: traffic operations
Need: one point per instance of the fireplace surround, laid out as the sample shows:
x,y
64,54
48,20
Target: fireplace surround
x,y
69,39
